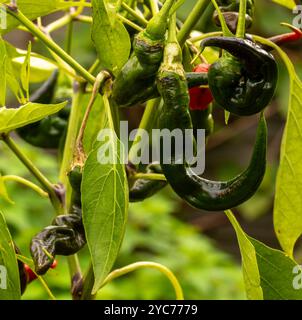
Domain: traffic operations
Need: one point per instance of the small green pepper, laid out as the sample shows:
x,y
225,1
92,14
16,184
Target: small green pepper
x,y
49,132
66,234
135,82
197,191
143,188
230,12
244,79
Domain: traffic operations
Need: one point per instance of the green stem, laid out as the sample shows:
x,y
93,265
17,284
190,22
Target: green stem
x,y
46,184
154,7
99,82
192,20
17,14
69,37
145,124
88,285
149,176
225,29
134,14
87,19
240,31
27,183
205,35
71,138
145,264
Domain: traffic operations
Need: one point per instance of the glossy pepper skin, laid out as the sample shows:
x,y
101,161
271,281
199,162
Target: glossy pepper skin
x,y
197,191
244,79
230,12
48,132
135,83
65,236
143,189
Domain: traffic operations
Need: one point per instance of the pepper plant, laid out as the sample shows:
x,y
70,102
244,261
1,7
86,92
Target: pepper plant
x,y
146,55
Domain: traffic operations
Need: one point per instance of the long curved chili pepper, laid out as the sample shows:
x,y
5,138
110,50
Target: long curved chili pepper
x,y
143,188
197,191
244,79
48,132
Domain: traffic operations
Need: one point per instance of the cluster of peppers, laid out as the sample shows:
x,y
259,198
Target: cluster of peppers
x,y
242,81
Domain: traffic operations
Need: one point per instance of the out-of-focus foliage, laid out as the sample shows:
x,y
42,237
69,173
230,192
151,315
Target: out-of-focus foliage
x,y
152,234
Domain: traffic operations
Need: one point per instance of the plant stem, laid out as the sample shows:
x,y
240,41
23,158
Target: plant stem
x,y
87,19
134,14
192,20
145,264
46,184
72,132
145,124
149,176
68,44
100,80
154,7
13,11
88,285
240,31
27,183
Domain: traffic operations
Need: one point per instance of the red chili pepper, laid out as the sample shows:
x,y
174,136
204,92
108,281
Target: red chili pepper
x,y
31,276
200,98
295,35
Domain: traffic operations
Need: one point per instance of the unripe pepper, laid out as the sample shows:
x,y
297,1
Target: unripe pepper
x,y
230,12
135,83
65,236
197,191
50,131
143,188
244,79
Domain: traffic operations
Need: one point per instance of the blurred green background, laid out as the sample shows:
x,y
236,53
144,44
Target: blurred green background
x,y
200,248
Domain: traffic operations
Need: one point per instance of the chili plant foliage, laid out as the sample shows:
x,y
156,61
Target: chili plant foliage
x,y
145,54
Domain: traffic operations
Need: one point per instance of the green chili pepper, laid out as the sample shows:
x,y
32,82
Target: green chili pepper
x,y
197,191
244,79
48,132
65,236
135,82
230,11
143,188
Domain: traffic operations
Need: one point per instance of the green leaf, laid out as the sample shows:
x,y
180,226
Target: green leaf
x,y
250,270
3,75
3,191
277,273
40,68
96,121
288,200
290,4
268,273
25,71
110,37
105,202
11,119
32,10
9,273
